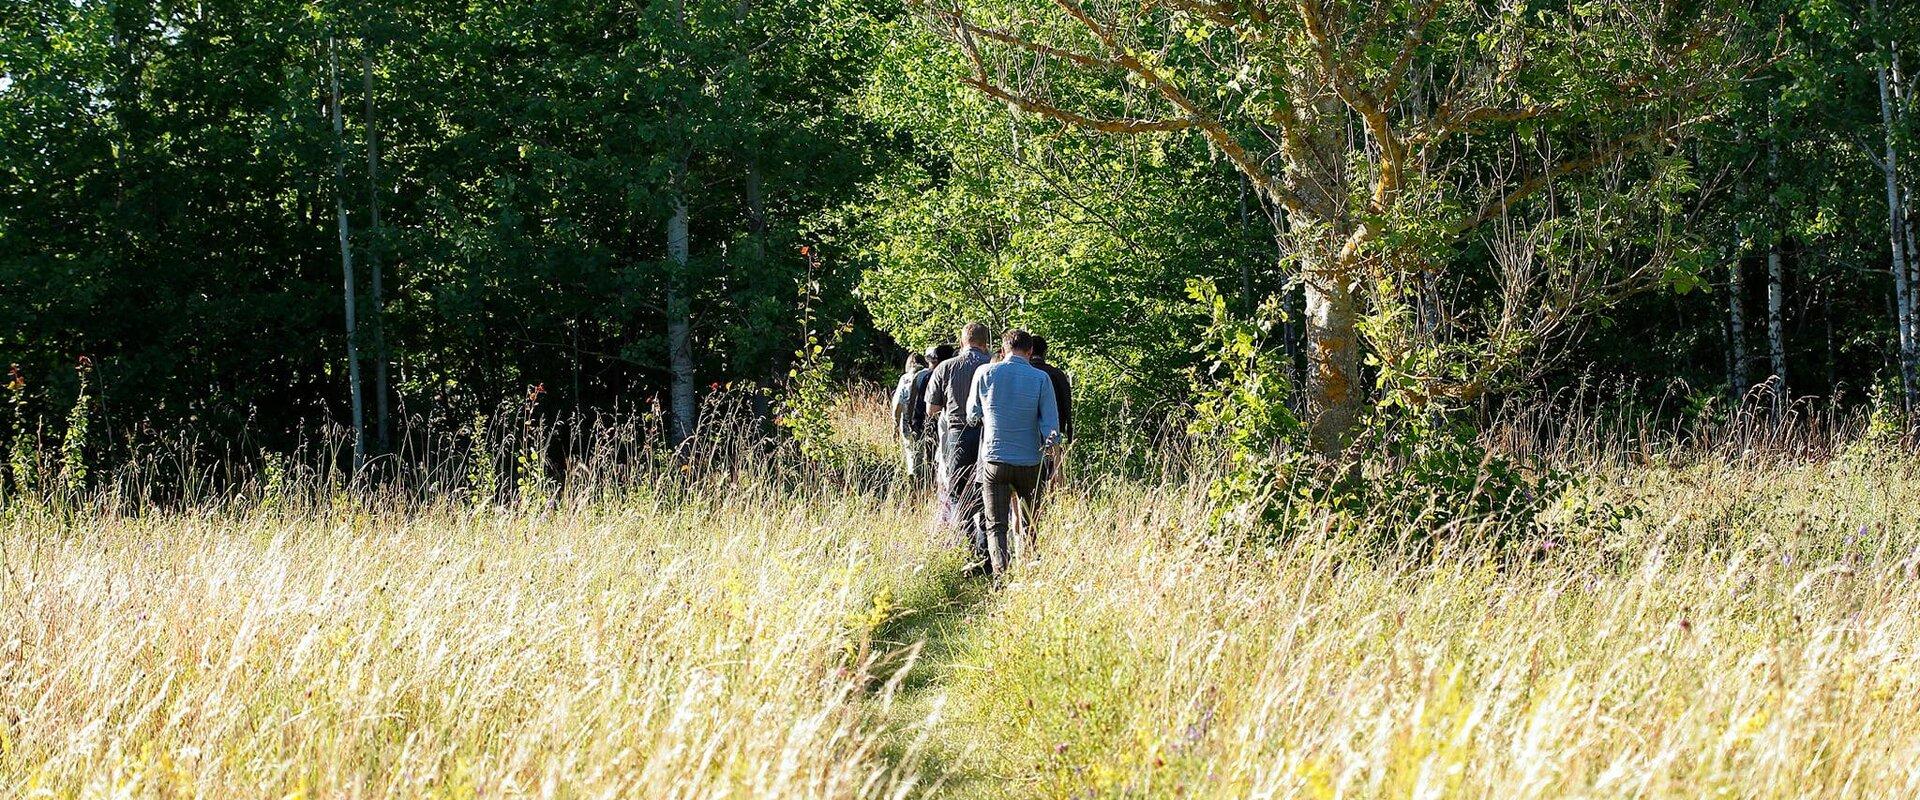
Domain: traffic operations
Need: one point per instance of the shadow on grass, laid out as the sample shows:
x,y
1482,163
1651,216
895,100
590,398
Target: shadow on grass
x,y
936,605
934,609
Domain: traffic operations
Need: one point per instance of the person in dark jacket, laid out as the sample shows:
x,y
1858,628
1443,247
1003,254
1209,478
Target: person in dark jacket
x,y
1062,395
925,436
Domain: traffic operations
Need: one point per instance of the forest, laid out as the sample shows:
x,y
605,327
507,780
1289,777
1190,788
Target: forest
x,y
1471,398
254,218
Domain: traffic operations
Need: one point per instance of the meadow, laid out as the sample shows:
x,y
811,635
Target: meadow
x,y
1749,631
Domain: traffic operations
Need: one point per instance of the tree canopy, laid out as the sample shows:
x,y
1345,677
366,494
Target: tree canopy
x,y
1423,205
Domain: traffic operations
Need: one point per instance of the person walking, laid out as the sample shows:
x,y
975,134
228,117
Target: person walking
x,y
947,394
1063,395
1013,405
927,437
904,416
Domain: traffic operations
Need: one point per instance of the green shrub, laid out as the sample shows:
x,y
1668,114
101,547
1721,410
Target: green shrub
x,y
1415,476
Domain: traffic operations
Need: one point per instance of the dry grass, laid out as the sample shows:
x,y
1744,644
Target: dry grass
x,y
700,648
1751,634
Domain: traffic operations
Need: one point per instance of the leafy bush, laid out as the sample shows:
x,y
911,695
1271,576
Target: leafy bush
x,y
1414,478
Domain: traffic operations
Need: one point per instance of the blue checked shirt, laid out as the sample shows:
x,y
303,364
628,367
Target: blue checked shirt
x,y
1014,400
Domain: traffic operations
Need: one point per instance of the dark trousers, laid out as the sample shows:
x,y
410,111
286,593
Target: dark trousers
x,y
963,488
1000,483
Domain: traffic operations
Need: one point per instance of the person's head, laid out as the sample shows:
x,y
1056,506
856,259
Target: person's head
x,y
1039,347
941,352
916,362
975,334
1017,342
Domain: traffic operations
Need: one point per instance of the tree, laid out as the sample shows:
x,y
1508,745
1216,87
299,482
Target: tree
x,y
351,289
1387,134
1088,241
1900,255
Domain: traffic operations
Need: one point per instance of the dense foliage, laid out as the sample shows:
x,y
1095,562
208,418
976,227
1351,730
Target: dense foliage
x,y
171,189
167,192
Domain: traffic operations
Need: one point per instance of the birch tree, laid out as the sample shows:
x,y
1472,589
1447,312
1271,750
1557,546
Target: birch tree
x,y
1896,245
348,284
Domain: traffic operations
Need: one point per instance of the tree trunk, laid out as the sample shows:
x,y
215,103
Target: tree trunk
x,y
376,244
1737,380
1776,327
756,213
1913,279
1833,367
1901,104
679,308
1246,259
346,253
1333,363
756,203
679,324
1890,169
1776,290
1317,172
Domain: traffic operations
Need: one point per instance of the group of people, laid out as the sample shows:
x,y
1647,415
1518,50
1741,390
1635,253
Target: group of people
x,y
986,428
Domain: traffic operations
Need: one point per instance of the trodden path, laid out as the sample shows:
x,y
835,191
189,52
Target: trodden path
x,y
921,644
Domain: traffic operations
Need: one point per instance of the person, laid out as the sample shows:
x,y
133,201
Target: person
x,y
1062,394
1013,405
903,415
947,394
927,436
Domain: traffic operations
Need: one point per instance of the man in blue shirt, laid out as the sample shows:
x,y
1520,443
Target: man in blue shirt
x,y
1013,404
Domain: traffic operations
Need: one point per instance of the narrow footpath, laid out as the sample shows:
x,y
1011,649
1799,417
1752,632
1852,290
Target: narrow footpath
x,y
935,611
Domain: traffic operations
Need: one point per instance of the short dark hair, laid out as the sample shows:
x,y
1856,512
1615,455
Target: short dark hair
x,y
976,333
940,352
916,360
1017,339
1039,347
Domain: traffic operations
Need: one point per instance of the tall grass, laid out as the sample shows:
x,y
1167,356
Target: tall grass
x,y
711,646
729,621
1753,636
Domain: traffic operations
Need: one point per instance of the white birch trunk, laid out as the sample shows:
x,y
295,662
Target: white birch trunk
x,y
679,325
683,406
1903,102
346,253
1890,169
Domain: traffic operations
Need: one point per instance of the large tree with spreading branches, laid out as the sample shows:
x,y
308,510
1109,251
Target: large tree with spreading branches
x,y
1453,180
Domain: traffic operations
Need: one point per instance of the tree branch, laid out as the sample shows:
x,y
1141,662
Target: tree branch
x,y
960,23
1099,124
1541,180
1215,132
1409,46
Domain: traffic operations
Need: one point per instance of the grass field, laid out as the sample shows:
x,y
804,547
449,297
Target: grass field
x,y
1751,634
